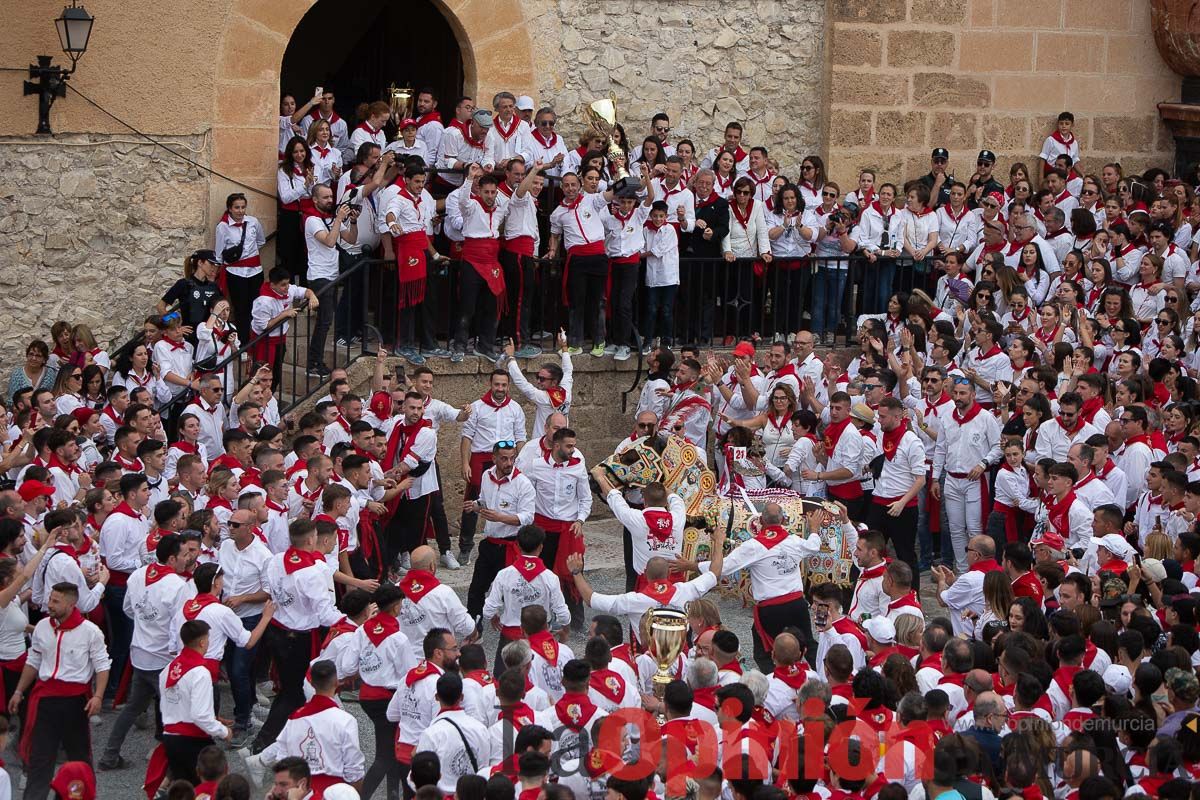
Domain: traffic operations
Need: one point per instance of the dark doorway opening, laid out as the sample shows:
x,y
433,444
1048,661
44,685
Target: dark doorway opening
x,y
359,49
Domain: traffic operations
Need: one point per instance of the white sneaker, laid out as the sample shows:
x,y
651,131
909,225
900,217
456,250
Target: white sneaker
x,y
622,354
255,768
449,561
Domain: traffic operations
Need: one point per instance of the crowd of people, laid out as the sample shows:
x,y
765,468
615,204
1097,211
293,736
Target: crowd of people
x,y
1024,437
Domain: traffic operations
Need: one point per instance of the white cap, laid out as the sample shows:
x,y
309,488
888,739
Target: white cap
x,y
341,791
1115,544
250,488
524,103
881,630
1153,570
1118,679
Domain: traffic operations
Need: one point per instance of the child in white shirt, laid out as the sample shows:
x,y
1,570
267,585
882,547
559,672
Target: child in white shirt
x,y
662,273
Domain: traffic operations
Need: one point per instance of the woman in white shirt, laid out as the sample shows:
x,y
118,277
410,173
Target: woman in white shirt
x,y
791,242
216,336
294,181
289,120
239,234
773,427
831,225
327,159
746,243
133,369
68,390
725,174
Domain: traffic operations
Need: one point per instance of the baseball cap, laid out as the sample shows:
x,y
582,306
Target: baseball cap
x,y
1114,544
744,350
206,255
940,152
1182,683
524,103
33,489
1153,570
630,193
987,155
408,122
341,791
1051,539
482,118
1118,679
882,629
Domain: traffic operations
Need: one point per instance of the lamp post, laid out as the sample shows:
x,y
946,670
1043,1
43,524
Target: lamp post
x,y
48,81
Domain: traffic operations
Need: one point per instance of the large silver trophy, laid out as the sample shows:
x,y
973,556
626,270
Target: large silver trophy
x,y
602,116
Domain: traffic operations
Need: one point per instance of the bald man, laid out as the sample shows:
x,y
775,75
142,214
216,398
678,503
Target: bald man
x,y
644,424
964,592
784,682
991,716
428,603
1078,766
541,447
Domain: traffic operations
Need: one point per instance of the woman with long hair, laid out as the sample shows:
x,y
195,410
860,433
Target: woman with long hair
x,y
1016,173
1031,269
326,159
725,174
790,244
812,180
1026,616
93,387
650,159
68,390
686,151
294,182
239,237
1146,296
194,292
748,241
87,351
134,368
773,426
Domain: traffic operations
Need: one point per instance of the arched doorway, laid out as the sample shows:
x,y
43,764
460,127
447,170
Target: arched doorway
x,y
377,43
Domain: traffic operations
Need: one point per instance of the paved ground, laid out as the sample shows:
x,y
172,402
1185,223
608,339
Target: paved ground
x,y
605,571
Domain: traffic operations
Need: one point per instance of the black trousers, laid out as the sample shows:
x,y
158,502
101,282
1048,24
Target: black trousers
x,y
624,284
242,292
549,554
791,295
475,303
289,245
520,276
182,752
775,619
290,651
585,288
488,564
700,292
901,531
627,552
385,765
61,722
325,314
406,528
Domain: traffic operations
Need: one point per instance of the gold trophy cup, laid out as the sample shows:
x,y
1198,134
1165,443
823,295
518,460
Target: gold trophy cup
x,y
401,101
668,631
601,115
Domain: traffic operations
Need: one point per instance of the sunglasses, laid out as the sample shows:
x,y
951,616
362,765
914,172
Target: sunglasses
x,y
506,444
983,163
543,377
961,381
78,376
1090,191
657,129
743,192
828,194
1163,321
807,168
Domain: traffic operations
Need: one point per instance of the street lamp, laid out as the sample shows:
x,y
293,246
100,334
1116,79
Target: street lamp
x,y
48,81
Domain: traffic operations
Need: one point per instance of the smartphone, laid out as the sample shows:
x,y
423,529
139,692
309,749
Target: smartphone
x,y
320,91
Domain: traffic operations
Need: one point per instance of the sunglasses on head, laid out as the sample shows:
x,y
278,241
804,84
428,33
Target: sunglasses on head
x,y
960,380
506,444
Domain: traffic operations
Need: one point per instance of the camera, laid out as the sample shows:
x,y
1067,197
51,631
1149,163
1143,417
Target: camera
x,y
839,218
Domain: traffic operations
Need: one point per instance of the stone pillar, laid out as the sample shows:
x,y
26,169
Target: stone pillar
x,y
1176,25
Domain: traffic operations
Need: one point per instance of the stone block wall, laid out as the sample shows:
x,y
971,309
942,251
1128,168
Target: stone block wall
x,y
703,63
911,75
87,227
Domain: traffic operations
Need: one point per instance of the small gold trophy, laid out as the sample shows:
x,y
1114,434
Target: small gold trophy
x,y
402,102
668,631
602,116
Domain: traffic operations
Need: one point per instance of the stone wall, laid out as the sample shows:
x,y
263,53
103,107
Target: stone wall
x,y
703,63
911,75
87,226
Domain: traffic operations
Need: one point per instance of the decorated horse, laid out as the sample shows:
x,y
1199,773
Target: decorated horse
x,y
675,463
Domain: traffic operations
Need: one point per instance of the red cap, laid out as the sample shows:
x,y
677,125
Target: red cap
x,y
31,489
744,350
83,414
75,781
404,123
997,196
1051,539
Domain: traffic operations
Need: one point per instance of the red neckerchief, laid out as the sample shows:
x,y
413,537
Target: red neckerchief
x,y
972,412
129,466
537,134
1090,408
380,627
156,572
891,440
123,508
985,565
1066,141
744,221
219,502
529,567
417,583
931,408
488,400
723,185
187,661
193,607
994,248
659,523
408,434
1059,513
340,627
574,710
295,560
780,425
660,592
512,128
609,684
833,434
1047,337
771,536
870,573
933,662
545,645
706,696
955,217
1071,431
477,144
708,201
70,469
298,486
332,119
318,704
792,675
907,600
420,672
1144,438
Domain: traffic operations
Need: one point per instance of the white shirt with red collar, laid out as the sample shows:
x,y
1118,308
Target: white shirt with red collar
x,y
61,564
772,559
339,131
675,197
545,149
323,735
966,594
298,492
365,133
428,603
172,358
762,185
811,369
490,422
212,427
993,365
420,451
561,490
380,654
511,495
449,734
526,582
736,406
481,221
324,159
266,307
654,531
868,597
902,467
906,604
299,584
122,537
743,158
224,626
1058,145
71,652
580,223
609,689
1134,459
910,232
505,140
657,594
65,478
783,686
154,593
545,401
186,692
957,230
842,630
570,717
1093,492
1058,439
178,450
457,147
549,658
929,672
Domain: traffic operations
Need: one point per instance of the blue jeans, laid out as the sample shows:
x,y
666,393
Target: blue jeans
x,y
660,300
241,675
827,299
120,634
878,281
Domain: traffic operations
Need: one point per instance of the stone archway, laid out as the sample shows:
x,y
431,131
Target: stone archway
x,y
257,32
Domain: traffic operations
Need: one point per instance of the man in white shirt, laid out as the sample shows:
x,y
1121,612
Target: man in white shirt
x,y
243,558
544,145
411,450
964,591
507,135
732,144
463,144
61,565
429,603
493,419
870,555
520,190
1135,455
578,223
153,595
553,392
463,744
122,539
412,706
506,504
562,503
482,293
655,528
207,408
1058,435
968,444
68,649
893,508
322,232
